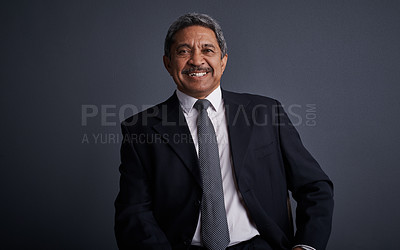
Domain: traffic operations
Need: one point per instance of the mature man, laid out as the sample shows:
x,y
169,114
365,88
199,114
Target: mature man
x,y
211,169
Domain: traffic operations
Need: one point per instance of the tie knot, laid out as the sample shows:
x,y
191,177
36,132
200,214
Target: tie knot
x,y
202,104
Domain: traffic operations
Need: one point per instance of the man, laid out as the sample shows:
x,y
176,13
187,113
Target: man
x,y
180,189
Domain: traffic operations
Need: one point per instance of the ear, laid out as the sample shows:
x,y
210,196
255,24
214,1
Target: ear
x,y
224,61
167,64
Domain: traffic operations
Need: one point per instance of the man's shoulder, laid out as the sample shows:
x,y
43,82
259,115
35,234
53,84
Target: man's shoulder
x,y
138,117
252,99
152,114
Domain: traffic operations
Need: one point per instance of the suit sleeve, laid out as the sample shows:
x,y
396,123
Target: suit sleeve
x,y
135,224
310,187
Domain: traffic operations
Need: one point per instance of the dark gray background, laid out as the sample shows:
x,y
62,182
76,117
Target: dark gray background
x,y
340,56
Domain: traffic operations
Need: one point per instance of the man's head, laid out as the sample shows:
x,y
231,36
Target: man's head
x,y
192,19
195,54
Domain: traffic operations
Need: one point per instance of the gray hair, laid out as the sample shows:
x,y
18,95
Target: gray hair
x,y
192,19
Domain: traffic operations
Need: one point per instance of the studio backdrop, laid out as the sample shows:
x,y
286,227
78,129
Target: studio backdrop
x,y
72,70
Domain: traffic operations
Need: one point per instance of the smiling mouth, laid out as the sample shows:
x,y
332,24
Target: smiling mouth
x,y
197,71
194,74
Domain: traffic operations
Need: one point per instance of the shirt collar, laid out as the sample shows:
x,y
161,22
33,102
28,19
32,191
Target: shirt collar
x,y
187,101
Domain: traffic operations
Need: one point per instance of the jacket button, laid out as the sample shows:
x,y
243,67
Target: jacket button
x,y
187,242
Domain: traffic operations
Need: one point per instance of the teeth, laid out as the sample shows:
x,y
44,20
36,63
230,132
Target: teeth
x,y
198,74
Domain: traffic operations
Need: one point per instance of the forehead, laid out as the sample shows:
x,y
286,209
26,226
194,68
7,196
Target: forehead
x,y
195,34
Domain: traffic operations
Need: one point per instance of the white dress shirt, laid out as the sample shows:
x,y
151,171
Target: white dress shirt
x,y
240,226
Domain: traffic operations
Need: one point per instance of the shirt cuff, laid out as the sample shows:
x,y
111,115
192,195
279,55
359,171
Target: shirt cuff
x,y
305,247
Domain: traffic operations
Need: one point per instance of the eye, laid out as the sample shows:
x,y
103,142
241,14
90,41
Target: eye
x,y
208,51
183,51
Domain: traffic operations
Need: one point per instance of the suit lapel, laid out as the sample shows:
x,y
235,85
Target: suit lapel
x,y
174,128
239,128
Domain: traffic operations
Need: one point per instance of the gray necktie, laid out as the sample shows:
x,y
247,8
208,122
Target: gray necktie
x,y
214,226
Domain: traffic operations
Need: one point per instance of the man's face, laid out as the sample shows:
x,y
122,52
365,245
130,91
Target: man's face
x,y
196,65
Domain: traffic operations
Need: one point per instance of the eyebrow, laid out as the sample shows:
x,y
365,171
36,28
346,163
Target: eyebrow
x,y
182,45
206,45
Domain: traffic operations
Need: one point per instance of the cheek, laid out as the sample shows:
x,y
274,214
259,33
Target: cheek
x,y
179,68
218,69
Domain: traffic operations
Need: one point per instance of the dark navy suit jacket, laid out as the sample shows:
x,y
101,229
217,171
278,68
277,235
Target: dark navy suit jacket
x,y
159,200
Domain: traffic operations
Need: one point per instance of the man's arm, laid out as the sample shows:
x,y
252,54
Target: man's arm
x,y
135,225
311,188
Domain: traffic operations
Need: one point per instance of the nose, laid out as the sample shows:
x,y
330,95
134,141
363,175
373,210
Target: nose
x,y
196,59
